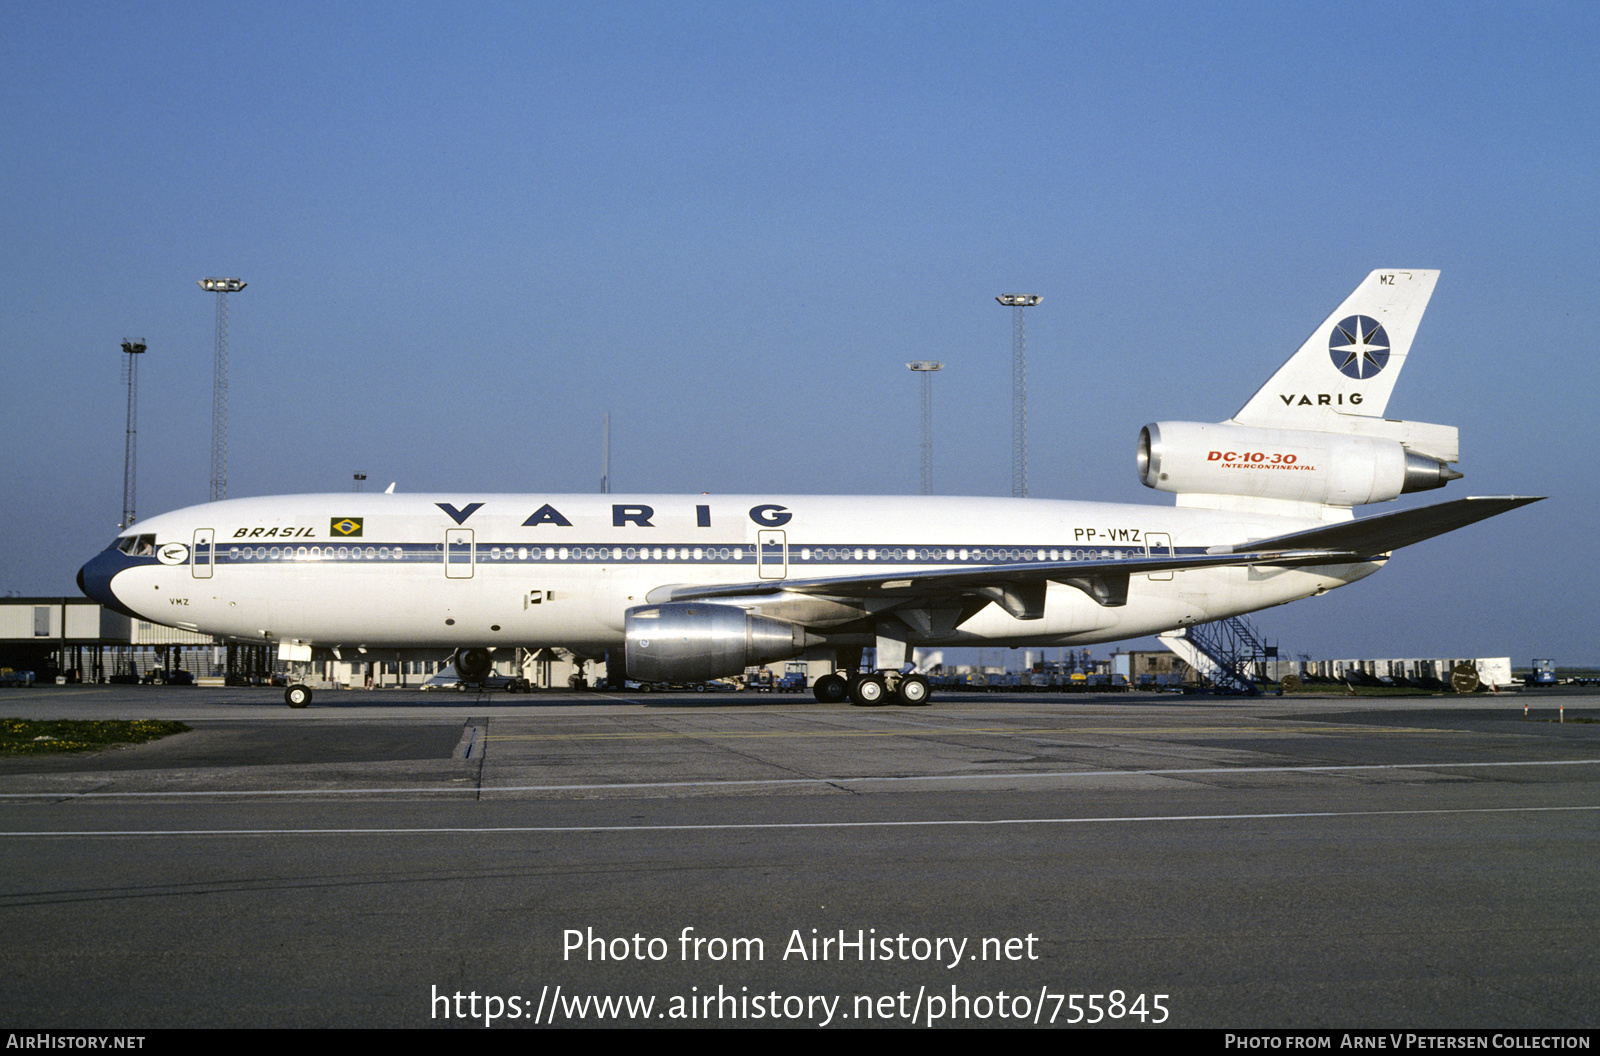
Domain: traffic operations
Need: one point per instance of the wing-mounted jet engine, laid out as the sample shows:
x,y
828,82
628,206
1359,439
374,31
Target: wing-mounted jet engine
x,y
472,665
692,642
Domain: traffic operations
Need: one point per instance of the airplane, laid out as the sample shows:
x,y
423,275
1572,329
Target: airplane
x,y
691,588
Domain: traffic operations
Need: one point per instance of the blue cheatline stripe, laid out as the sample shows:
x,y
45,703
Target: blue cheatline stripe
x,y
678,553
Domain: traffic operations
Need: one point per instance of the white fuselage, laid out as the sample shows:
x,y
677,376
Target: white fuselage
x,y
462,571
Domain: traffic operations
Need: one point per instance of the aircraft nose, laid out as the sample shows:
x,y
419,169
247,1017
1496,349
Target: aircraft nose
x,y
94,579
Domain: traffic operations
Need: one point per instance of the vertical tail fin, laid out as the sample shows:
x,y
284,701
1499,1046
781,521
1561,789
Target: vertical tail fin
x,y
1313,442
1349,364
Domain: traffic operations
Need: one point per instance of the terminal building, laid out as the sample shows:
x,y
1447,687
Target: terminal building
x,y
77,640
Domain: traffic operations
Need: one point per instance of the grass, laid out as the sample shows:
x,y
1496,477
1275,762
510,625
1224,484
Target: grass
x,y
40,737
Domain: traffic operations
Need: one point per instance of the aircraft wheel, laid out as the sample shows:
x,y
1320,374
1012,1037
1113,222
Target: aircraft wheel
x,y
914,691
297,696
869,692
831,689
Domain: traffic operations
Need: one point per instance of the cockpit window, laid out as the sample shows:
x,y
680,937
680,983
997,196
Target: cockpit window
x,y
136,545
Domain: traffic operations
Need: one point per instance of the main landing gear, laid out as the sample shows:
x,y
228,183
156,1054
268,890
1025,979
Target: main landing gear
x,y
297,696
874,690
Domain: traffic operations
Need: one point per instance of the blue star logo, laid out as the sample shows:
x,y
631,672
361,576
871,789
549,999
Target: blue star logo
x,y
1359,346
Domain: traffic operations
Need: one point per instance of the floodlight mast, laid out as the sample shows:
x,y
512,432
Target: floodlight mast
x,y
1017,302
926,368
133,346
219,391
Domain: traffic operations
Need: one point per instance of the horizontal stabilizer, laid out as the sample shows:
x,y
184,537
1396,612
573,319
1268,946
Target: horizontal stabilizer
x,y
1388,531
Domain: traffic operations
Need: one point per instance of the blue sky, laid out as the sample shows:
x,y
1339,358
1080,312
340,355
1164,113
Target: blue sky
x,y
470,230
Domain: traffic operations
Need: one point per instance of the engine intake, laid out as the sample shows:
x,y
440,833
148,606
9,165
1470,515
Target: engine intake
x,y
690,642
472,665
1295,464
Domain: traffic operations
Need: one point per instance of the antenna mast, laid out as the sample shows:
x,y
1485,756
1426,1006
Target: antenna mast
x,y
926,369
133,346
1017,302
219,392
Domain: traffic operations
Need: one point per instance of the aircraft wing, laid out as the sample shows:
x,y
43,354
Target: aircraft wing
x,y
1020,588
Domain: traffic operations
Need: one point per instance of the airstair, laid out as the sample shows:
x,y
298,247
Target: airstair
x,y
1228,653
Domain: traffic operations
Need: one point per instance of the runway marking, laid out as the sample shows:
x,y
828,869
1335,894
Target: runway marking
x,y
945,823
475,790
646,735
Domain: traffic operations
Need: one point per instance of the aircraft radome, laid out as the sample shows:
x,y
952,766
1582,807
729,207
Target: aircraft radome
x,y
688,588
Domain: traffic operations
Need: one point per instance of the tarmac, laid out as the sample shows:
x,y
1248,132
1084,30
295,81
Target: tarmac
x,y
1124,860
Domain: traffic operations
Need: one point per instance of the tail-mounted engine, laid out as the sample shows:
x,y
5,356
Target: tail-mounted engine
x,y
690,642
1292,464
